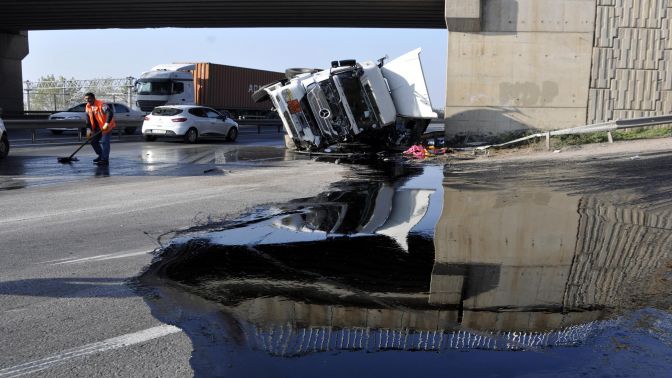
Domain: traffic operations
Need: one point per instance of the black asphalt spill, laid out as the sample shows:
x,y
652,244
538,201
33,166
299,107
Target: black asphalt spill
x,y
19,172
468,270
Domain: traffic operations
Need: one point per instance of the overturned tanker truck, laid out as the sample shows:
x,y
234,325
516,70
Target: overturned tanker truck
x,y
352,106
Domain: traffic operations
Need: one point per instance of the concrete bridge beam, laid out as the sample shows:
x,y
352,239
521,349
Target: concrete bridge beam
x,y
463,15
13,48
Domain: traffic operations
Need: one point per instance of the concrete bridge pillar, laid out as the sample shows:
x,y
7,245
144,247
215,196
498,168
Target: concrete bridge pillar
x,y
527,68
13,48
551,64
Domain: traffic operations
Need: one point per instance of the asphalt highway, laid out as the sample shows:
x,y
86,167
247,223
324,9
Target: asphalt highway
x,y
73,235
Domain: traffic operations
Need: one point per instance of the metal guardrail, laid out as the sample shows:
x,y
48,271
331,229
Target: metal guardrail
x,y
592,128
35,124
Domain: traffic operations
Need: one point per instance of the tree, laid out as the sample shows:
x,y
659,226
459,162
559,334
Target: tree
x,y
52,93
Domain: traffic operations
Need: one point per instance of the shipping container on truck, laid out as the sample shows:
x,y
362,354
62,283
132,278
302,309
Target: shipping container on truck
x,y
230,88
218,86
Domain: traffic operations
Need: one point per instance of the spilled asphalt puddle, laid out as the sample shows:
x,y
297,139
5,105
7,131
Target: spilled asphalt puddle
x,y
498,269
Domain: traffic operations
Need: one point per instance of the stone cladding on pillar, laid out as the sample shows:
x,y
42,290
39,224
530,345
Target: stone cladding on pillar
x,y
631,73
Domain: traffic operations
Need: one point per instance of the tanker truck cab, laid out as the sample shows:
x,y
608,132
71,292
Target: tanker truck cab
x,y
352,103
165,84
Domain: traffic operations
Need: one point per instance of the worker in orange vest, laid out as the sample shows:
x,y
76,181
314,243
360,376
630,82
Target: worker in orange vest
x,y
99,117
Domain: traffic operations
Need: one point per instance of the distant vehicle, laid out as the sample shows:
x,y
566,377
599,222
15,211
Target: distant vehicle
x,y
189,122
121,112
353,106
4,140
213,85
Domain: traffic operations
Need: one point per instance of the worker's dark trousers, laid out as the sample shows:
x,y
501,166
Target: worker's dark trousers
x,y
101,144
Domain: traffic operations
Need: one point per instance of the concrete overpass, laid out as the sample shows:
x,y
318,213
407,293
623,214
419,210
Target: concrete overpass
x,y
513,65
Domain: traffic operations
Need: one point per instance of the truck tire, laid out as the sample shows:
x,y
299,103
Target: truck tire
x,y
261,95
290,73
150,138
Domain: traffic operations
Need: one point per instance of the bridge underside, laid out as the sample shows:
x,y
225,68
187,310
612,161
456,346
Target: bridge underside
x,y
76,14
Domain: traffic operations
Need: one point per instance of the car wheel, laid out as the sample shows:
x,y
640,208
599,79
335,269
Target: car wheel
x,y
57,132
4,147
129,130
191,136
150,138
232,134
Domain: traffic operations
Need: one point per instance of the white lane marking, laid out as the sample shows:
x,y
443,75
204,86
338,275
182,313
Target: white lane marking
x,y
101,346
111,256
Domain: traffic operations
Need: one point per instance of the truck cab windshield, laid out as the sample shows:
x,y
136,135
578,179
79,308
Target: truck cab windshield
x,y
163,87
362,107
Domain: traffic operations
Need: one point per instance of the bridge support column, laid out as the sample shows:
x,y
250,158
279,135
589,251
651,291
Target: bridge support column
x,y
528,67
13,48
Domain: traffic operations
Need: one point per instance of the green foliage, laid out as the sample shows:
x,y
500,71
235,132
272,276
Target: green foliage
x,y
625,134
643,133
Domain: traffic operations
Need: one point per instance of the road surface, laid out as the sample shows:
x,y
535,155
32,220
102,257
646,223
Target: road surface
x,y
71,237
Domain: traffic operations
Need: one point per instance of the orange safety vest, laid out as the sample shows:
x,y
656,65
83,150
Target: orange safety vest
x,y
97,111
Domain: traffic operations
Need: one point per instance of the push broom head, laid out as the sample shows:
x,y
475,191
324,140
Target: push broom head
x,y
67,160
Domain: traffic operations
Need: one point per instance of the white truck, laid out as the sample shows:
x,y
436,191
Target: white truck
x,y
371,105
222,87
165,84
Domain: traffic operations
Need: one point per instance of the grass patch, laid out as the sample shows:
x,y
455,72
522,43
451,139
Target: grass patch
x,y
643,133
626,134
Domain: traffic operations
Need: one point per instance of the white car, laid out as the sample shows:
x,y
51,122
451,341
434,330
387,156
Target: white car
x,y
189,122
4,140
121,112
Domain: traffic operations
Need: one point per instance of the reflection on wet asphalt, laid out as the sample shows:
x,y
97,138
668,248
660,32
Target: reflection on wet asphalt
x,y
572,259
18,172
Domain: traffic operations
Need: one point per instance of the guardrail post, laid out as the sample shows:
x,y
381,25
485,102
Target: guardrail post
x,y
32,135
548,141
610,137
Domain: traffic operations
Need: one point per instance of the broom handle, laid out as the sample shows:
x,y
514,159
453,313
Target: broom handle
x,y
85,142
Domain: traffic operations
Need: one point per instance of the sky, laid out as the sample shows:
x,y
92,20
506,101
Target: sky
x,y
119,53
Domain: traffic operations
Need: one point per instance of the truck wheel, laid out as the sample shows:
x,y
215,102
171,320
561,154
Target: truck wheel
x,y
150,138
129,130
290,73
191,136
232,134
261,95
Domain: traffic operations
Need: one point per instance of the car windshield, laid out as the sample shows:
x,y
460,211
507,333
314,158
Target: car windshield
x,y
166,111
